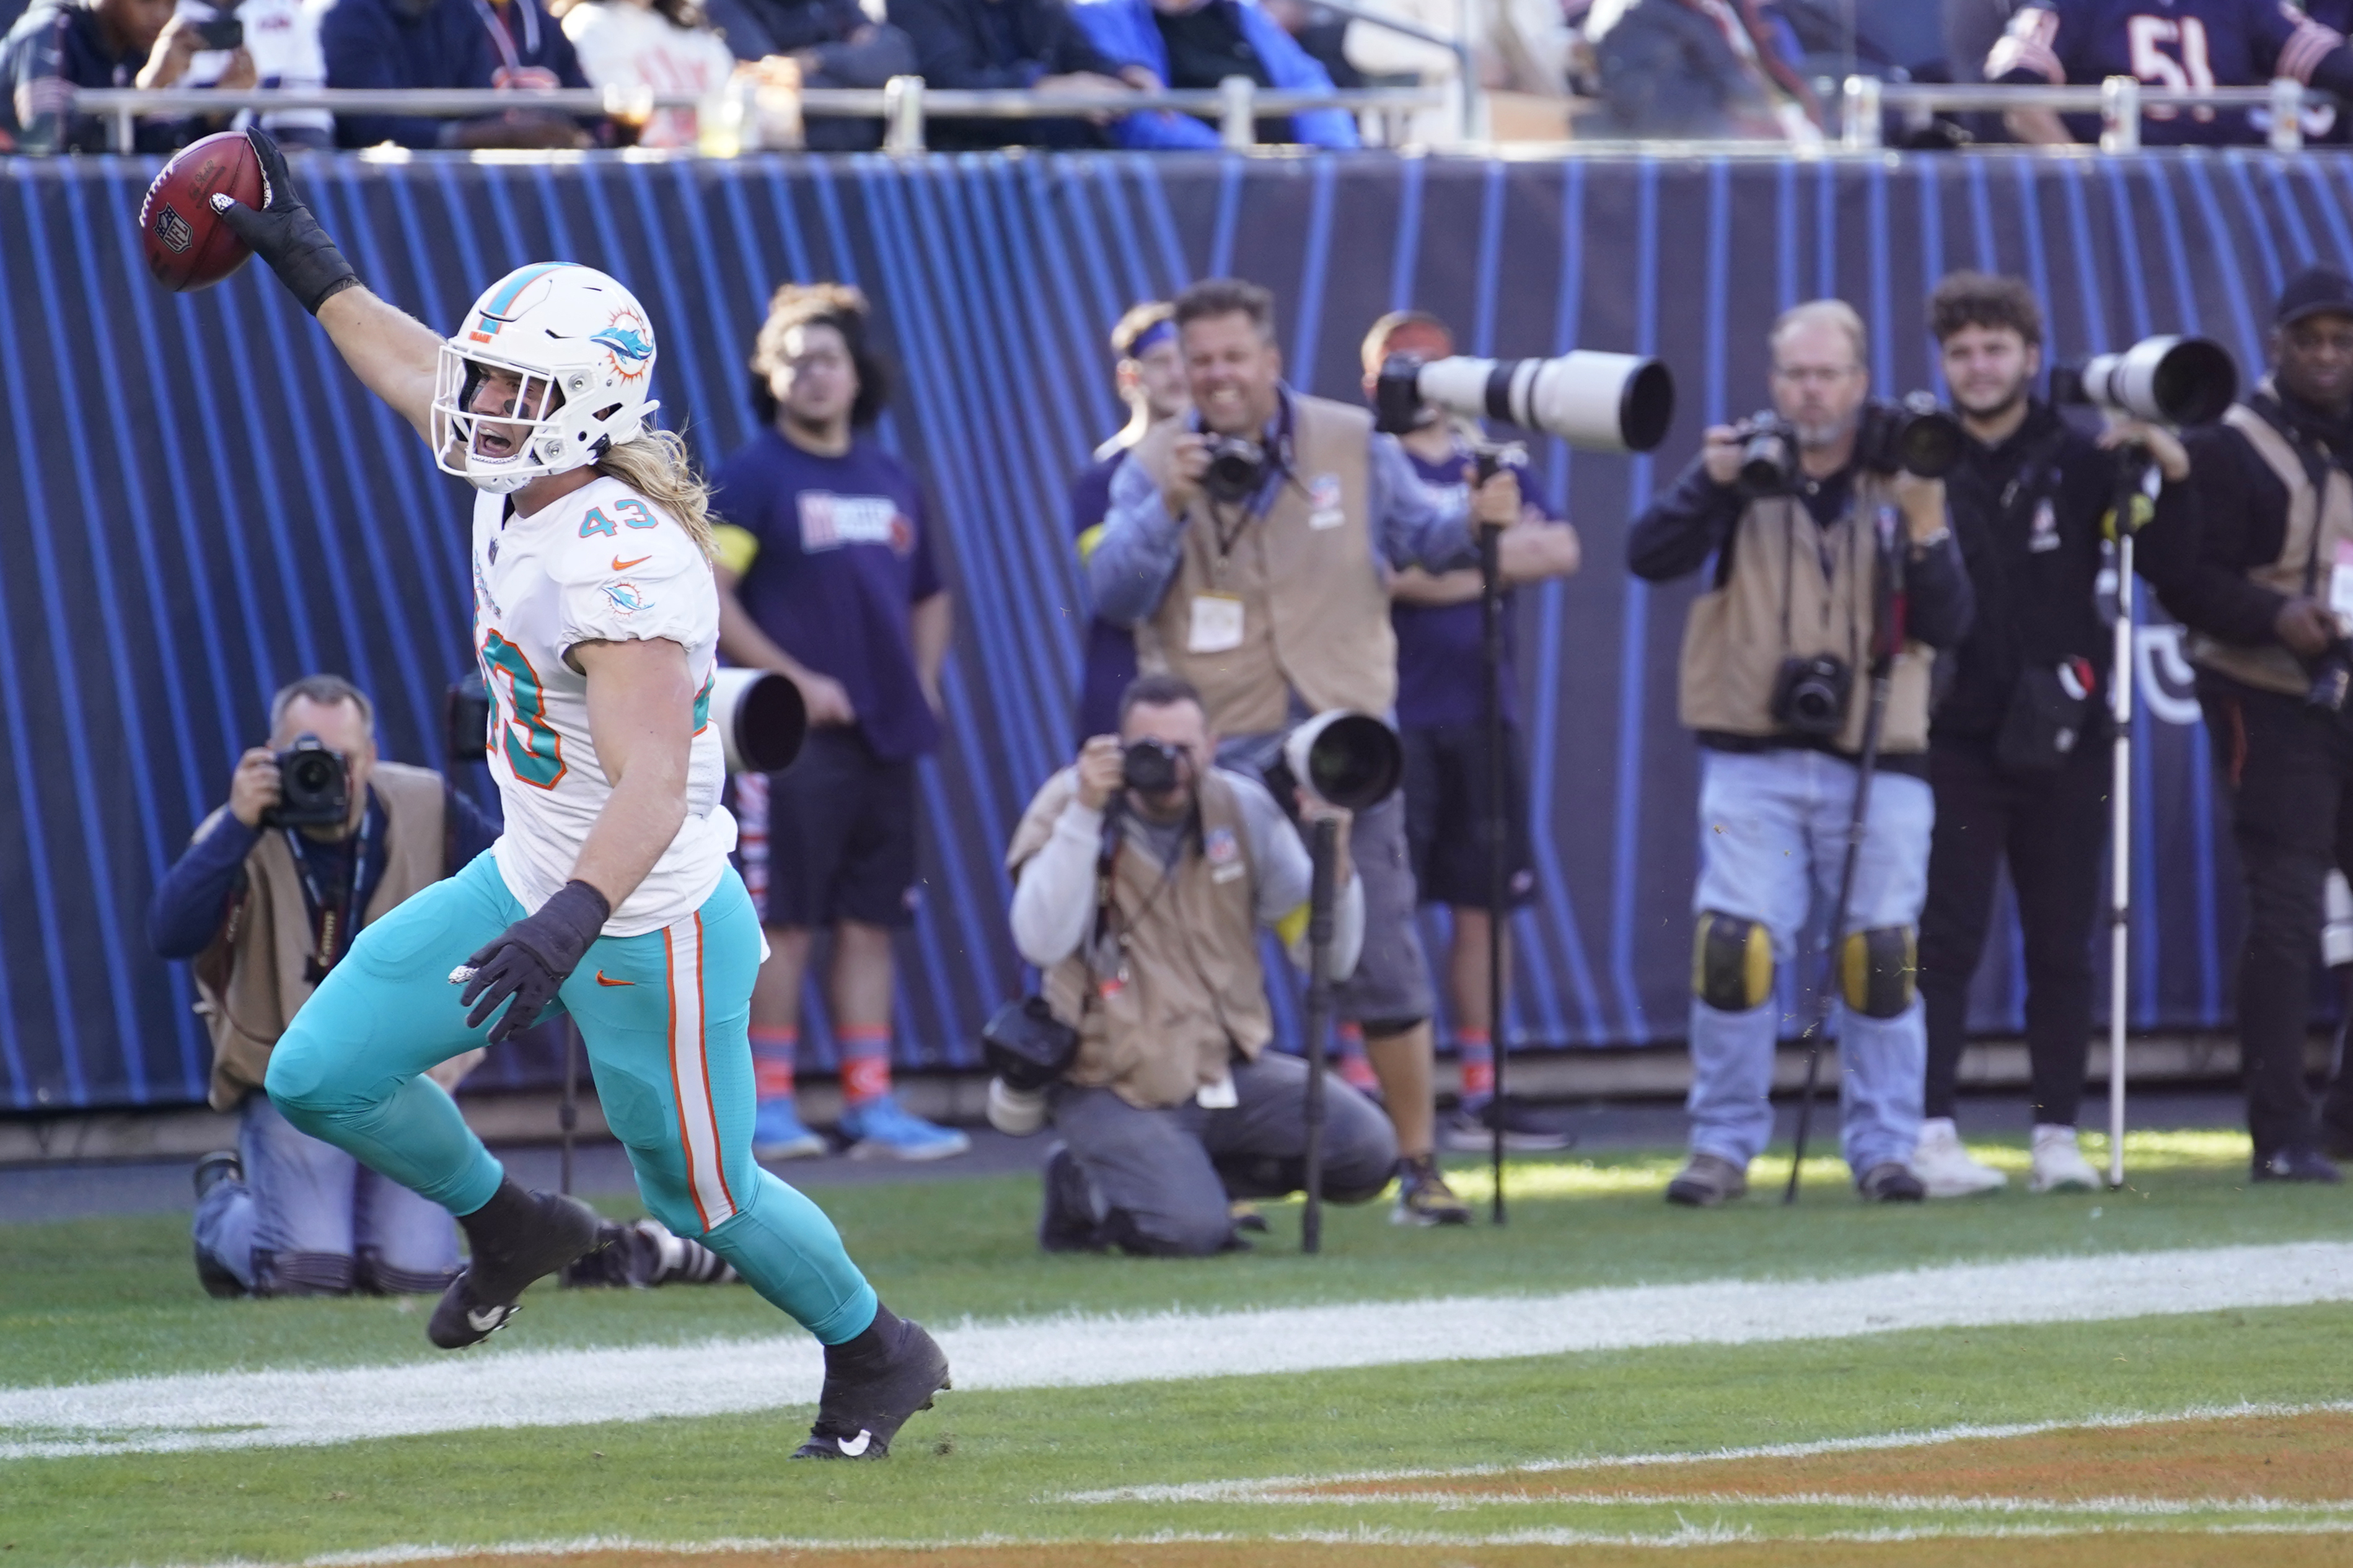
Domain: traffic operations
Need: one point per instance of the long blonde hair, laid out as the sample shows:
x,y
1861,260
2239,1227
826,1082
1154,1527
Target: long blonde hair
x,y
655,465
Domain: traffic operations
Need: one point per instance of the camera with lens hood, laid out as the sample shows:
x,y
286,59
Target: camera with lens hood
x,y
314,786
1149,766
1237,470
1601,402
1810,695
2162,380
1914,436
1028,1050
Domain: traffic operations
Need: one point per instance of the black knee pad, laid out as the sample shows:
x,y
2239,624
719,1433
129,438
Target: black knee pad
x,y
1732,963
303,1273
1878,970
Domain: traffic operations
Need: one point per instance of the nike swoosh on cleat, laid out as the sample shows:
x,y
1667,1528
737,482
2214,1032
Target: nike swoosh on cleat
x,y
483,1319
602,981
621,565
853,1449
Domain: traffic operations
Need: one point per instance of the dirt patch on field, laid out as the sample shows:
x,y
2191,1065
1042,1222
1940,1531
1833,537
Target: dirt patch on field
x,y
2302,1458
2138,1550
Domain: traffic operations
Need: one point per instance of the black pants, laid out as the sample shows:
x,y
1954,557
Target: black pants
x,y
2289,770
2051,827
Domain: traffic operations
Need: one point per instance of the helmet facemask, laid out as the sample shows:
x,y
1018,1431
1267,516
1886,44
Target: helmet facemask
x,y
501,453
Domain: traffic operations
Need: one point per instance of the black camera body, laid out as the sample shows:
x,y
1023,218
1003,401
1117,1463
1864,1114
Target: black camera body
x,y
1149,766
1914,435
314,786
1769,456
1026,1047
1811,694
1237,470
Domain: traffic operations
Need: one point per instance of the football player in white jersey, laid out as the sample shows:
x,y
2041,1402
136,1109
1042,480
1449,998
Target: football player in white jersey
x,y
609,894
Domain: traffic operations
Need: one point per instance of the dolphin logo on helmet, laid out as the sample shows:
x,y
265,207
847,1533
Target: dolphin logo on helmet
x,y
578,351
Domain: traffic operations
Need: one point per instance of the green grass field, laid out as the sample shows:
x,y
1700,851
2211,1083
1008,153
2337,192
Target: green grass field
x,y
86,1301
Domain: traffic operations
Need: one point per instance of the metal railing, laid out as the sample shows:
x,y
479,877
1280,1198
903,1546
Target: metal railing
x,y
2120,101
904,105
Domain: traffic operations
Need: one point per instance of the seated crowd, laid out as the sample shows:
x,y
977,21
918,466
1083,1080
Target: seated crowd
x,y
1753,69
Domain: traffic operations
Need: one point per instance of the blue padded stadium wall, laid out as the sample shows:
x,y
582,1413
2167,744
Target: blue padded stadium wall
x,y
210,505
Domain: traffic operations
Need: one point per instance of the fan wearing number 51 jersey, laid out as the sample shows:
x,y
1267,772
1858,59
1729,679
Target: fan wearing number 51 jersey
x,y
2180,45
609,897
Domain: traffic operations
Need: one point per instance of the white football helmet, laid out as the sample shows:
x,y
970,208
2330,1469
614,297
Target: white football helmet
x,y
583,350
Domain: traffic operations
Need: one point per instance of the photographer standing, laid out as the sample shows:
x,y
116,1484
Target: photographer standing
x,y
1775,669
2256,555
1442,709
1143,876
267,900
1151,379
1251,549
2016,755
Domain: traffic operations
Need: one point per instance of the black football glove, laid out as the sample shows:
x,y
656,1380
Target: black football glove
x,y
531,959
285,235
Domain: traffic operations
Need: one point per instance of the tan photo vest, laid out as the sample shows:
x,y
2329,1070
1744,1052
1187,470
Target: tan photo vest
x,y
250,981
1193,991
1733,641
2317,524
1315,607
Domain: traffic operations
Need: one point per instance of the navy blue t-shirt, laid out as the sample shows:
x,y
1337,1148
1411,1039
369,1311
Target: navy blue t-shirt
x,y
1110,650
2169,44
1439,677
845,551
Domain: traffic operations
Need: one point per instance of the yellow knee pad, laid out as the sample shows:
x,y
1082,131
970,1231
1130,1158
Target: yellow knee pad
x,y
1732,963
1877,969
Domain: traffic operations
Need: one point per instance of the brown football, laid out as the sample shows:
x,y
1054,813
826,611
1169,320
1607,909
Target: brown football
x,y
188,247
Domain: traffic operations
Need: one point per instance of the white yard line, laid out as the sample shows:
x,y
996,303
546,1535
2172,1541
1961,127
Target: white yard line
x,y
508,1388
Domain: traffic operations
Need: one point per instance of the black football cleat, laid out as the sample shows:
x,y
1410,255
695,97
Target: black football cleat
x,y
872,1384
518,1236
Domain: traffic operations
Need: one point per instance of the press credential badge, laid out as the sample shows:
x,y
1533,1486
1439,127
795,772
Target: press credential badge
x,y
2340,588
1217,623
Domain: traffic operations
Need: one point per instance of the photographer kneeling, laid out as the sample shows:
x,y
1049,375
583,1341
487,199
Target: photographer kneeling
x,y
318,839
1142,877
1812,522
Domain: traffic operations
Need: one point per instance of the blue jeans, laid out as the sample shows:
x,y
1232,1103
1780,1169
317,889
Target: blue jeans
x,y
308,1218
1773,833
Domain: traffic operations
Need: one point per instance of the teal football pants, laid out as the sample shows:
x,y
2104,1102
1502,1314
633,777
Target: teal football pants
x,y
664,1016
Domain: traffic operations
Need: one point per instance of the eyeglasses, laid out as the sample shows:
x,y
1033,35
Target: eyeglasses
x,y
1816,374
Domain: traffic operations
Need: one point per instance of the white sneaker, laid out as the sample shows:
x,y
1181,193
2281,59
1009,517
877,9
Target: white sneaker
x,y
1944,1167
2058,1164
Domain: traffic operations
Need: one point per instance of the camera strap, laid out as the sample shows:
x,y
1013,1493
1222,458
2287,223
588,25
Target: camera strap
x,y
330,924
1114,933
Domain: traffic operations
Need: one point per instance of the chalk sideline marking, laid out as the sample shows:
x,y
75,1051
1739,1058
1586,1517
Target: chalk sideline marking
x,y
1297,1489
499,1389
1686,1535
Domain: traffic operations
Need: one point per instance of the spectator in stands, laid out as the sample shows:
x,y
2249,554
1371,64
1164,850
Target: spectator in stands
x,y
1517,46
1174,1108
60,45
1196,44
1701,68
264,911
1019,44
827,576
665,45
282,39
1151,376
511,44
2193,43
1322,34
830,43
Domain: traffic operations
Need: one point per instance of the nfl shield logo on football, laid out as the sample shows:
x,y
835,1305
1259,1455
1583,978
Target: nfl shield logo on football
x,y
172,229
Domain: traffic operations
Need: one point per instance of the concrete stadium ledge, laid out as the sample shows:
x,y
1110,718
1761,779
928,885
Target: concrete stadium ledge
x,y
1647,1072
